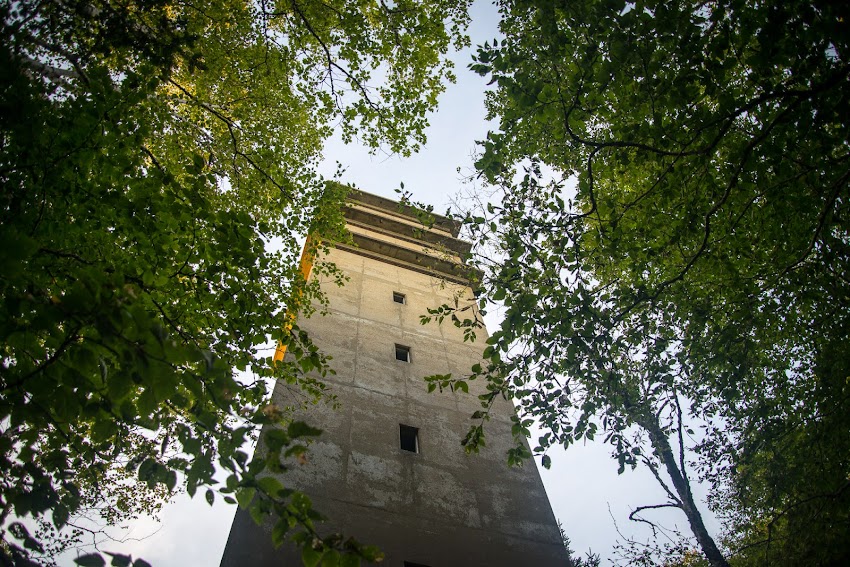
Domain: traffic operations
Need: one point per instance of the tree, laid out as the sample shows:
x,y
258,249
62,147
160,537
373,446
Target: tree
x,y
591,560
151,153
698,272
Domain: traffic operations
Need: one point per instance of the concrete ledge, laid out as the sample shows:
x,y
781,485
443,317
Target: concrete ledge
x,y
404,258
404,211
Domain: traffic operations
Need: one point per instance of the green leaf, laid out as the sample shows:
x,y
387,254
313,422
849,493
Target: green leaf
x,y
371,553
258,513
60,516
147,469
331,558
119,560
310,557
244,496
210,496
90,560
171,480
119,386
276,438
301,502
281,528
298,429
270,485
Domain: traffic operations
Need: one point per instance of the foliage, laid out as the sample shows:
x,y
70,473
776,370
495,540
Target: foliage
x,y
697,273
592,559
787,502
151,153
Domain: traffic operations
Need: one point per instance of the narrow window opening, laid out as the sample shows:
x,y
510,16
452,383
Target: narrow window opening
x,y
408,438
399,297
402,353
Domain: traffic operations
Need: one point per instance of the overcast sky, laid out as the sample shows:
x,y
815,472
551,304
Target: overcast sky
x,y
584,489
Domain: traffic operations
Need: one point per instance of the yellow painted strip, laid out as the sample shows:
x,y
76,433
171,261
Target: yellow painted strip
x,y
306,266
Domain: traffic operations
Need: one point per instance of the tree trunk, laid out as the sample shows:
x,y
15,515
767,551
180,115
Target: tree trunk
x,y
683,489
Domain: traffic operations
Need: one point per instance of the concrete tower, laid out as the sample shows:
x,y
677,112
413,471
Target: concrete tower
x,y
389,468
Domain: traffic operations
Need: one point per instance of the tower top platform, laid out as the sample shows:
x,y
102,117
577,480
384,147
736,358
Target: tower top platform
x,y
398,234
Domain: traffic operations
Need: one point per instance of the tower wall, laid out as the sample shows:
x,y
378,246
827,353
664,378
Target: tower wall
x,y
437,507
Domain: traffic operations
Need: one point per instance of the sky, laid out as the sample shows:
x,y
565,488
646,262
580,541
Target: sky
x,y
587,495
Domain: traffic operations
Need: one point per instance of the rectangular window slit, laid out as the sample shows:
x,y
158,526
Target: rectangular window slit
x,y
402,353
409,438
399,297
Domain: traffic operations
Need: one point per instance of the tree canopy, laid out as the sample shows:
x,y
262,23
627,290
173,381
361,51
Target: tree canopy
x,y
697,272
158,163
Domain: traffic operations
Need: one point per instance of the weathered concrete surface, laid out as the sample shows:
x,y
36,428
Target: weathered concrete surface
x,y
439,507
